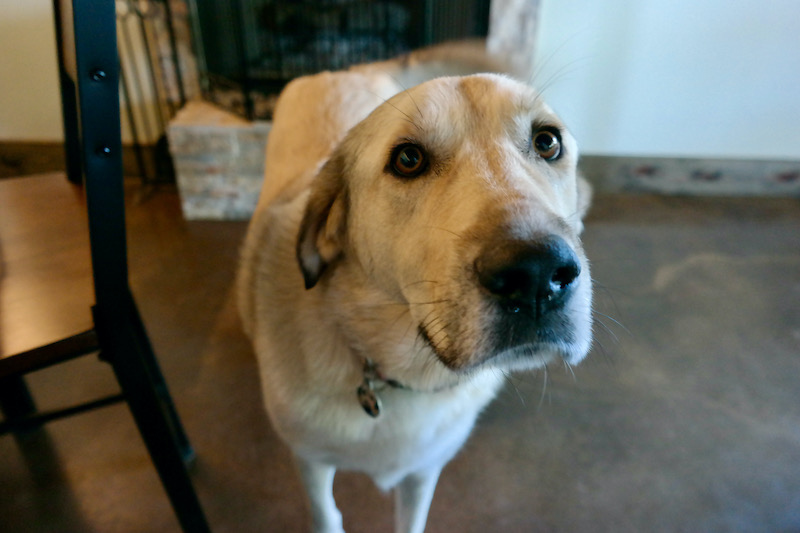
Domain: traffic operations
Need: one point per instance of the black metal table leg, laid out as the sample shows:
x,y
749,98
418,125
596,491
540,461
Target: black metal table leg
x,y
128,351
15,398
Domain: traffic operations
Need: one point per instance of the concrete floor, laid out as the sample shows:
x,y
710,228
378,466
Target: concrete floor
x,y
686,417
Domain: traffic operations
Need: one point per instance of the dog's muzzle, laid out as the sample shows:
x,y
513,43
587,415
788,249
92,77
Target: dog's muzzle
x,y
529,285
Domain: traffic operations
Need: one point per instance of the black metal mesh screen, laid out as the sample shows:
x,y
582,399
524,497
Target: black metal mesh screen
x,y
249,49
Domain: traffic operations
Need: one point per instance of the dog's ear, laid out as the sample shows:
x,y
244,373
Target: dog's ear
x,y
321,237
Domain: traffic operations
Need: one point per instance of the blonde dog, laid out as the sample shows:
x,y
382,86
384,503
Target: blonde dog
x,y
410,247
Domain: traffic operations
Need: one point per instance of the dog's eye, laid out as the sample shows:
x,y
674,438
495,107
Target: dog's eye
x,y
547,143
408,160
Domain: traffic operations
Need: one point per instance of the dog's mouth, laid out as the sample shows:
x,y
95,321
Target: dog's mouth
x,y
510,344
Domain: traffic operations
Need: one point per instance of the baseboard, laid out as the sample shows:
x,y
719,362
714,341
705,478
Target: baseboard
x,y
29,158
693,176
659,175
23,159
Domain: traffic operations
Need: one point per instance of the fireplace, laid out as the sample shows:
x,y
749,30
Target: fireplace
x,y
249,49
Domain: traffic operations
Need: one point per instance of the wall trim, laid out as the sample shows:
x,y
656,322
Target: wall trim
x,y
29,158
659,175
692,176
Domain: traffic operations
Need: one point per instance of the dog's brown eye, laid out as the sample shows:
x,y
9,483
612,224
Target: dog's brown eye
x,y
547,143
408,160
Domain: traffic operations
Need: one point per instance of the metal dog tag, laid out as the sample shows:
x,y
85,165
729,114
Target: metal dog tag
x,y
368,399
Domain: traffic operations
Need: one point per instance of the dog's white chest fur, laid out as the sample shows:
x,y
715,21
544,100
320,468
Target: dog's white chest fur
x,y
412,434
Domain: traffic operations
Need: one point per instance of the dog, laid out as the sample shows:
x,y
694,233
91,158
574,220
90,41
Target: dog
x,y
411,246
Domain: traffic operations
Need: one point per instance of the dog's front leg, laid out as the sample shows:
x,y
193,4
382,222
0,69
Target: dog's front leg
x,y
413,498
318,481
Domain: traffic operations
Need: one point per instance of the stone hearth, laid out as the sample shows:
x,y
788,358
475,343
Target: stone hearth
x,y
219,161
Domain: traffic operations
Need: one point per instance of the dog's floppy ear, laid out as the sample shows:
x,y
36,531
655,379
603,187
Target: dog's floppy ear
x,y
320,241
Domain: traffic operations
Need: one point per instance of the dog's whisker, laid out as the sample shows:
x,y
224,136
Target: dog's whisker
x,y
544,387
424,326
607,329
440,337
379,305
612,319
427,323
559,74
440,325
606,354
420,282
404,305
508,379
543,65
386,101
569,369
431,302
607,289
406,117
419,341
446,231
404,312
511,335
406,92
430,318
576,215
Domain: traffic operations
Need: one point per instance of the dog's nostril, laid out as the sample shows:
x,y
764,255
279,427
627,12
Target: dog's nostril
x,y
530,275
564,276
506,282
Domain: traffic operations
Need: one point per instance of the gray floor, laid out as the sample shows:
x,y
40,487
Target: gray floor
x,y
685,417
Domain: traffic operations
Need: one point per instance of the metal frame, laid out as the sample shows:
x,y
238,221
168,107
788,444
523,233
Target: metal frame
x,y
90,97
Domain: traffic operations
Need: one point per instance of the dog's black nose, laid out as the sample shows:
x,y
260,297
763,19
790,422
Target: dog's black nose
x,y
534,275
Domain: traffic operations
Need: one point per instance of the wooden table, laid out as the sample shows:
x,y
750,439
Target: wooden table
x,y
46,289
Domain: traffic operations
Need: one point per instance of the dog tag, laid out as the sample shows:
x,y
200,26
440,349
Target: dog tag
x,y
368,399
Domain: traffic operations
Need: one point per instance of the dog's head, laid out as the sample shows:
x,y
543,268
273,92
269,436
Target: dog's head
x,y
459,199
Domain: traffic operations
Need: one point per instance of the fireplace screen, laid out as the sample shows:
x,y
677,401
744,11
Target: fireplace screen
x,y
249,49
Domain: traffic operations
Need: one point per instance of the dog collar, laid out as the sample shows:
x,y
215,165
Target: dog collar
x,y
367,393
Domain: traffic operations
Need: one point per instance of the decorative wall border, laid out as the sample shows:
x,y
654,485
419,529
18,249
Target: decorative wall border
x,y
693,176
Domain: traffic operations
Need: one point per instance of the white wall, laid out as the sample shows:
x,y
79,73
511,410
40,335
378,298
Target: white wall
x,y
30,105
712,78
